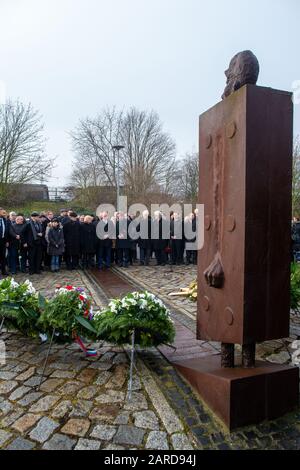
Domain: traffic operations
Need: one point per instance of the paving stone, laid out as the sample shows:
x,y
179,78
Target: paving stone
x,y
105,413
120,358
76,427
44,404
118,378
122,418
12,417
26,422
88,392
157,440
26,375
81,408
7,375
59,442
51,384
19,393
136,383
87,444
129,435
30,398
101,365
87,375
70,388
61,365
34,381
4,437
61,410
5,407
111,396
104,432
20,444
43,430
63,374
181,442
107,357
113,447
7,386
146,419
281,358
103,378
138,402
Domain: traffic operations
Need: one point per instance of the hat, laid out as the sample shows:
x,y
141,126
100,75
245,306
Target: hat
x,y
72,214
35,214
63,210
55,219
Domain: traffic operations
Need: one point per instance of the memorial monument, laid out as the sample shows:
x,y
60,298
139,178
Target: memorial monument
x,y
245,151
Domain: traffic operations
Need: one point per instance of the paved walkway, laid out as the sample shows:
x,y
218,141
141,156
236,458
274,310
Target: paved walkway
x,y
83,402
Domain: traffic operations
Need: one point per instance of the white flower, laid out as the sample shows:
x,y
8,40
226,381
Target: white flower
x,y
14,284
30,288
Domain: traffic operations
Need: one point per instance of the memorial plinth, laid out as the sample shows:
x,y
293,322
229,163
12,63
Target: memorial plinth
x,y
246,147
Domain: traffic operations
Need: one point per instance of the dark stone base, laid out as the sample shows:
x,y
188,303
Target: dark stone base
x,y
240,397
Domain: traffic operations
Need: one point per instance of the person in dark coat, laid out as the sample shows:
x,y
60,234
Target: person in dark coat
x,y
64,217
15,250
72,241
4,240
56,244
123,241
158,241
32,236
190,227
105,231
177,244
88,242
144,241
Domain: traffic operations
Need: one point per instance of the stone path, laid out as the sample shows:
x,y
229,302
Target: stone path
x,y
82,402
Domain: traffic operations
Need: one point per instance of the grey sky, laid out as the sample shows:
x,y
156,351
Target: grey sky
x,y
70,58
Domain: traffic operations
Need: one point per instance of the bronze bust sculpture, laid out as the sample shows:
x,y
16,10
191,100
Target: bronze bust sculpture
x,y
243,69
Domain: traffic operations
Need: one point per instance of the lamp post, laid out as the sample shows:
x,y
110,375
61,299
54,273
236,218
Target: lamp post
x,y
118,148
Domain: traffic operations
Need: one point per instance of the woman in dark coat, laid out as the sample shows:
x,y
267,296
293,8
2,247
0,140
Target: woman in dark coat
x,y
88,242
72,242
56,244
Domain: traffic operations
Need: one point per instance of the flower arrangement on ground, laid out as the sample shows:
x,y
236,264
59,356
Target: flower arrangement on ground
x,y
20,306
140,312
69,313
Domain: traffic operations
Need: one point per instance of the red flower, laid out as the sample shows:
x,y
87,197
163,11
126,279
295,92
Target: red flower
x,y
81,298
69,287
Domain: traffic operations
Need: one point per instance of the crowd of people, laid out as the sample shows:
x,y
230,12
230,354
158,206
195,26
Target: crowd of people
x,y
46,241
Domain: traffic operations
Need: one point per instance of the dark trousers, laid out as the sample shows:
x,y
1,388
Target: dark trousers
x,y
176,247
3,256
35,254
88,260
13,259
145,254
160,256
191,257
72,261
123,256
104,256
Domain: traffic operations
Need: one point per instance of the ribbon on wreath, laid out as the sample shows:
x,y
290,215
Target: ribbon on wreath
x,y
87,351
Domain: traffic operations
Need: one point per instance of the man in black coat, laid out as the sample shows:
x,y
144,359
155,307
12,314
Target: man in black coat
x,y
158,240
72,241
105,231
4,237
144,242
88,242
32,237
123,243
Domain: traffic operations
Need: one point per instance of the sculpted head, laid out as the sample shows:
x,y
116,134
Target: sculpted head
x,y
243,69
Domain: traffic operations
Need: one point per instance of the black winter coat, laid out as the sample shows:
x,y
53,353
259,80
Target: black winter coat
x,y
56,244
122,229
72,238
144,227
14,230
157,230
87,238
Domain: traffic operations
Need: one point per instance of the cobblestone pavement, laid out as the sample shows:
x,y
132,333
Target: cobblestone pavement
x,y
82,402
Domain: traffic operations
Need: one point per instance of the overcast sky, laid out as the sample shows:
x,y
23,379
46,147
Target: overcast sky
x,y
71,58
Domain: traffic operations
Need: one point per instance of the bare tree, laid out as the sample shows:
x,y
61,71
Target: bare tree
x,y
296,178
188,178
149,153
92,141
145,162
22,146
